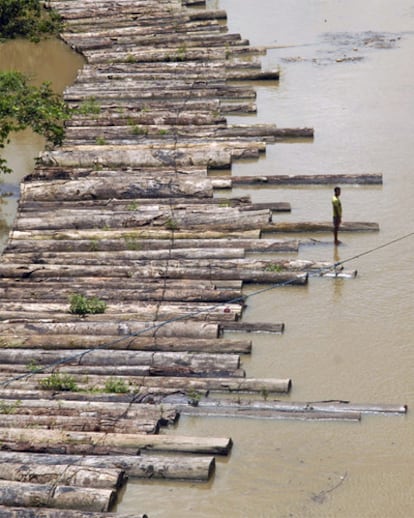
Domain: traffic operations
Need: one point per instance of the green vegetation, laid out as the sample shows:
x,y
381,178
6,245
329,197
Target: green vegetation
x,y
118,386
171,224
27,18
89,106
9,408
57,381
81,305
23,106
274,267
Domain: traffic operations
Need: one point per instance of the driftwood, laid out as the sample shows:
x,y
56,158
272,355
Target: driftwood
x,y
62,497
176,467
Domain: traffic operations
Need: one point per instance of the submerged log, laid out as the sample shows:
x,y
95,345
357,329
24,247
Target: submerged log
x,y
314,179
354,226
62,497
247,327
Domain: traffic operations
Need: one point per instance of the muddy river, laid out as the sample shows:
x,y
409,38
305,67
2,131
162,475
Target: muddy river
x,y
346,70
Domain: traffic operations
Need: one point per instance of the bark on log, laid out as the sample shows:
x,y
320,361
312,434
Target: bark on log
x,y
38,512
63,474
354,226
38,271
105,188
184,329
61,497
86,245
171,467
137,343
30,440
314,179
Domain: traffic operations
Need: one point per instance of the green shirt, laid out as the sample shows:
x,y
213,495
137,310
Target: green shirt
x,y
337,207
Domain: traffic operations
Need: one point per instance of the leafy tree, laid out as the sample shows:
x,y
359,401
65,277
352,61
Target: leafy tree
x,y
23,106
26,18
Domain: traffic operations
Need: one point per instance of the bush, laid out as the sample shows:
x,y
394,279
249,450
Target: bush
x,y
81,305
58,381
23,106
27,18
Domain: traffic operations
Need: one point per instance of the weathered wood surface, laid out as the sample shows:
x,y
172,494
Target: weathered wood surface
x,y
175,467
39,512
125,210
25,494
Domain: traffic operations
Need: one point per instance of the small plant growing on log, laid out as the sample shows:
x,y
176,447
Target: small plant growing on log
x,y
81,305
9,408
57,381
33,366
273,268
94,245
133,206
100,141
194,397
89,107
117,386
171,224
130,59
163,132
139,130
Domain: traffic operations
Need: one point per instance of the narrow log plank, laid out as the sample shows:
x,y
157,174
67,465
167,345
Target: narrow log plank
x,y
38,512
346,226
314,179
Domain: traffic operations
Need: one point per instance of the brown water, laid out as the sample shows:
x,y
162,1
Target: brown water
x,y
50,60
344,339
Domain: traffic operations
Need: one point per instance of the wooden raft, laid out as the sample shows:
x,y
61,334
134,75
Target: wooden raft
x,y
125,211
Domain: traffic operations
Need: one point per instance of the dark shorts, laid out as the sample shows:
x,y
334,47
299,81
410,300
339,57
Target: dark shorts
x,y
336,222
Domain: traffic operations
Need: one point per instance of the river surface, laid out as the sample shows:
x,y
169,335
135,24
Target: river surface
x,y
346,70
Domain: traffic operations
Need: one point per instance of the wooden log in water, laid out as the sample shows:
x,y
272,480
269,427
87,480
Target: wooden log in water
x,y
252,327
86,245
137,343
348,226
314,179
106,188
63,474
38,512
170,467
184,329
62,497
19,439
214,155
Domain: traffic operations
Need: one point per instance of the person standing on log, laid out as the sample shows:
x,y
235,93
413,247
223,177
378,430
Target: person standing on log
x,y
337,213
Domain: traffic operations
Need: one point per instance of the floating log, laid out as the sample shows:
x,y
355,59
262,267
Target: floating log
x,y
350,226
174,467
38,512
312,406
138,343
105,188
63,474
247,327
62,497
93,442
17,245
185,329
314,179
253,413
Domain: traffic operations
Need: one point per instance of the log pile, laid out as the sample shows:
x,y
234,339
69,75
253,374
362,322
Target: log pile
x,y
124,213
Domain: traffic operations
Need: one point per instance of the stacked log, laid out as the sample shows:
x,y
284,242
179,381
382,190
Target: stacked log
x,y
124,212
